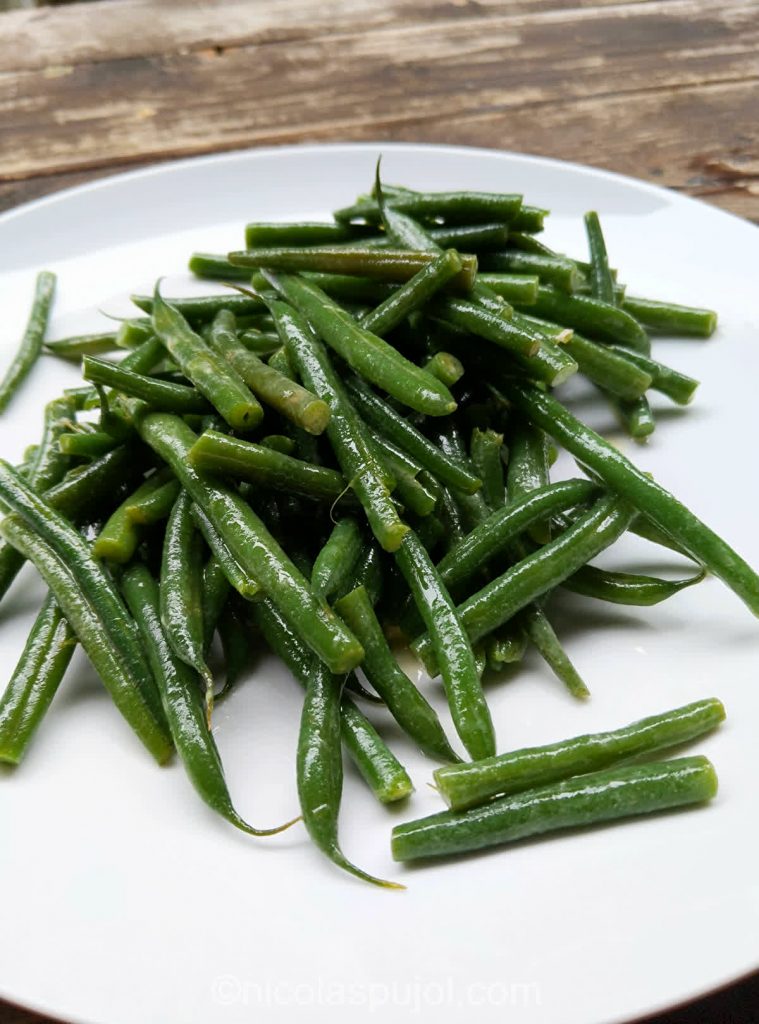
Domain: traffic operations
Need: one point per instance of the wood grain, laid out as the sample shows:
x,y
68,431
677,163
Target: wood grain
x,y
664,90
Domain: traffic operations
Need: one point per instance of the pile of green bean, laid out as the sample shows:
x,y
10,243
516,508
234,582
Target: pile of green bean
x,y
350,445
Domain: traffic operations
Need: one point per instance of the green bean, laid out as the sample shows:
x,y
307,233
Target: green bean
x,y
525,242
412,295
97,586
87,444
262,235
294,402
379,767
320,768
367,573
94,633
470,237
453,207
218,453
216,267
120,537
446,367
558,271
279,443
542,635
547,364
544,328
181,592
72,349
536,574
154,504
335,562
92,489
601,281
404,435
253,546
634,415
260,342
530,218
237,576
473,506
235,634
675,385
469,785
414,495
346,288
35,680
669,318
213,377
586,800
216,588
618,370
394,265
347,434
181,701
463,688
506,646
626,588
159,394
134,333
201,309
486,448
30,347
528,469
519,288
641,490
369,355
592,317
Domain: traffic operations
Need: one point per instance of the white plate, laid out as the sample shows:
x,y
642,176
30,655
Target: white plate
x,y
125,901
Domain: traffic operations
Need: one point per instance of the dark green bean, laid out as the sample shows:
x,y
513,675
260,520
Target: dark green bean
x,y
669,318
675,385
446,367
641,490
159,394
453,207
519,288
626,588
554,270
413,295
120,537
216,588
468,785
585,800
485,449
528,469
260,234
35,680
601,281
617,370
369,355
237,576
235,636
453,650
335,562
592,317
542,635
30,347
294,402
72,349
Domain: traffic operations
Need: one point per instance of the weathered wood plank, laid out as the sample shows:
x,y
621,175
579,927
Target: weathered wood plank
x,y
648,135
366,84
118,29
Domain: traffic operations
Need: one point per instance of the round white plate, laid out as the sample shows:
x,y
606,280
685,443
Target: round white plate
x,y
125,901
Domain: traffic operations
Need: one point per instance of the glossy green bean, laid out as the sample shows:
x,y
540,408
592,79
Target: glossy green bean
x,y
453,207
216,267
528,469
369,355
155,503
464,786
675,385
335,562
35,680
558,271
216,589
635,416
210,374
542,635
201,309
120,536
273,388
135,332
518,288
669,318
625,587
30,347
446,367
601,281
617,370
485,449
453,650
72,349
649,497
414,294
253,546
586,800
159,394
93,632
237,576
591,316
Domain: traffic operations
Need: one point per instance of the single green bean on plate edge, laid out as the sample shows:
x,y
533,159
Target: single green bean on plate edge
x,y
30,347
669,318
609,795
649,497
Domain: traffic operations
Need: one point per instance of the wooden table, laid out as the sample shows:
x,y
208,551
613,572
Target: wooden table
x,y
665,90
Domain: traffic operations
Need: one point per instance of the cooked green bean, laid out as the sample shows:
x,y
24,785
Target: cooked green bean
x,y
237,576
72,349
94,634
379,767
159,394
120,537
182,703
506,646
558,271
346,432
675,385
320,768
468,785
86,444
253,546
634,415
335,562
235,637
601,281
413,494
669,318
30,347
454,207
591,316
369,355
134,333
625,587
542,635
201,309
528,469
586,800
446,367
486,448
35,680
380,415
216,268
181,592
154,504
537,573
519,288
413,295
617,370
294,402
216,589
210,374
665,511
453,650
261,235
262,343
